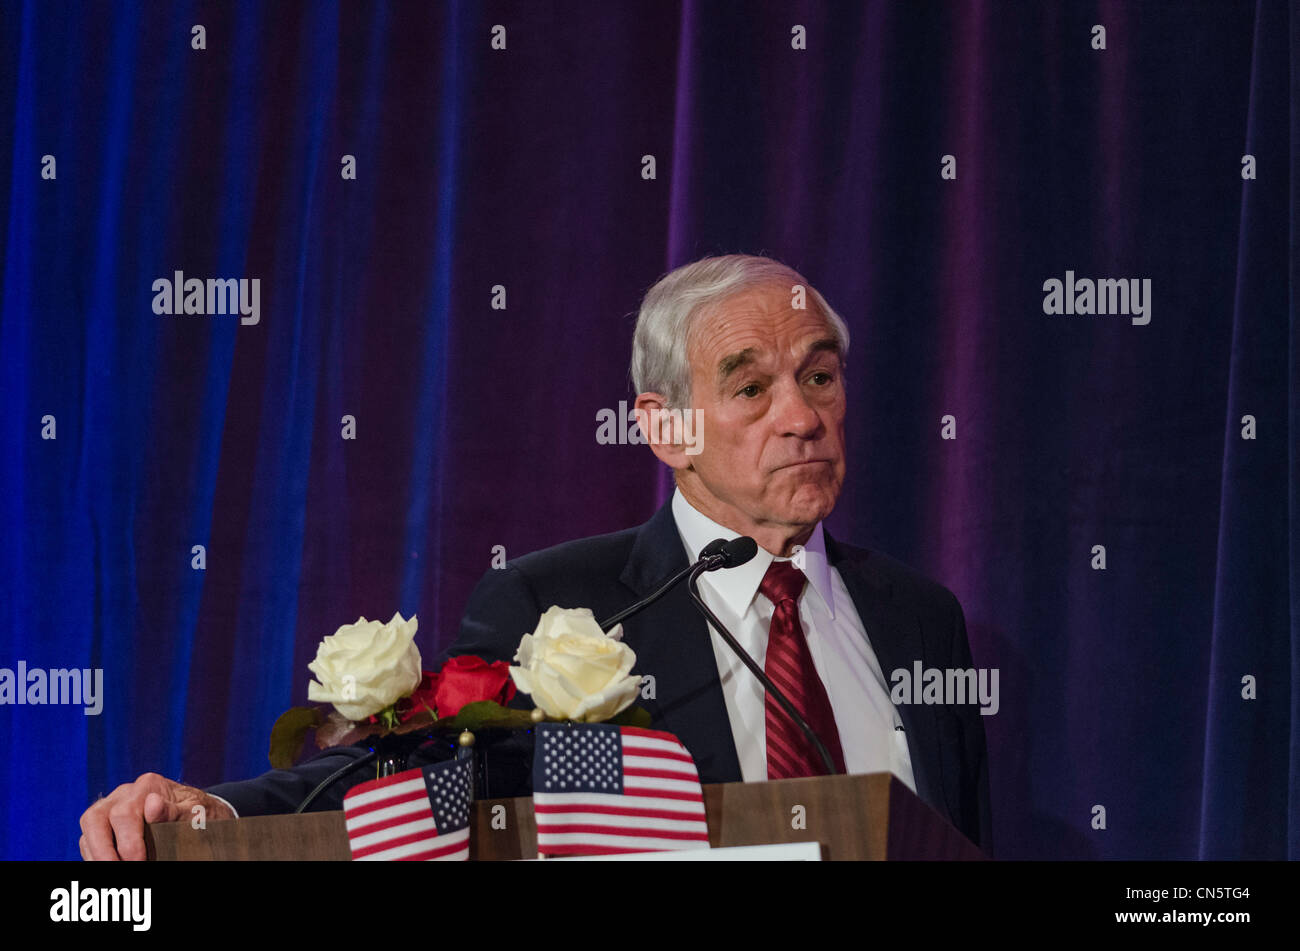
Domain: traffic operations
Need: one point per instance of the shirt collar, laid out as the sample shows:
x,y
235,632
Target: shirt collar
x,y
737,586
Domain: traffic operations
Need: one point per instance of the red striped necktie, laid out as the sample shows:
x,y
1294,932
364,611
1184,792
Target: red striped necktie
x,y
790,666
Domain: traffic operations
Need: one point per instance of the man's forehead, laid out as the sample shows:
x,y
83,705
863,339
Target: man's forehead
x,y
756,323
762,300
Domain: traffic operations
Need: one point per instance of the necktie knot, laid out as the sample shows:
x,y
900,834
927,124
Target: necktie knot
x,y
783,582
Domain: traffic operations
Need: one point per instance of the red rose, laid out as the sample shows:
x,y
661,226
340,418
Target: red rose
x,y
423,698
469,679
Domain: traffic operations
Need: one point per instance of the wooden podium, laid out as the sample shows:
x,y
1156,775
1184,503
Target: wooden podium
x,y
870,816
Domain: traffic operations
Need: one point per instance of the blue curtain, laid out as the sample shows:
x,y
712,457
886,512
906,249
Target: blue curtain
x,y
1160,688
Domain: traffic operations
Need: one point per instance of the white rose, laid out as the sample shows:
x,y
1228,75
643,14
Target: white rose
x,y
366,666
573,670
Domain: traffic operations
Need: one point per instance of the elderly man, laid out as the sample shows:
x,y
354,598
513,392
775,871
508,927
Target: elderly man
x,y
756,356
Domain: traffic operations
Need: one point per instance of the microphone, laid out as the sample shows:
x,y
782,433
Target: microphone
x,y
730,554
719,553
745,553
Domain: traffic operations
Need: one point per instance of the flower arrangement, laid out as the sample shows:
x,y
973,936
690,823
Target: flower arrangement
x,y
370,673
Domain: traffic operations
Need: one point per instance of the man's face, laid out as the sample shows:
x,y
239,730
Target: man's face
x,y
767,379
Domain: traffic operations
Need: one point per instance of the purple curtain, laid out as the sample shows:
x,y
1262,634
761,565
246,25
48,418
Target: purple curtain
x,y
467,299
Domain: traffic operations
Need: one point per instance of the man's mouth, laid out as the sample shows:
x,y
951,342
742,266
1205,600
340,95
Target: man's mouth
x,y
802,463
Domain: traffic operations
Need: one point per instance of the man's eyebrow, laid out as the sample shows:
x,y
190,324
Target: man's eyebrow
x,y
733,362
741,358
825,345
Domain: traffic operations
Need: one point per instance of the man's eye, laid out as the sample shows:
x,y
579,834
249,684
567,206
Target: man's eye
x,y
821,378
751,391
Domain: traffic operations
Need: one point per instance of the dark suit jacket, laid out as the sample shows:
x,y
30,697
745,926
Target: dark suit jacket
x,y
907,618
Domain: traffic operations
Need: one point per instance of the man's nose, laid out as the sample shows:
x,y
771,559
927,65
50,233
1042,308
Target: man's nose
x,y
794,415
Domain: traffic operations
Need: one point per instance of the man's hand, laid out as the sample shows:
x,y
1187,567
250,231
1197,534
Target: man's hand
x,y
113,828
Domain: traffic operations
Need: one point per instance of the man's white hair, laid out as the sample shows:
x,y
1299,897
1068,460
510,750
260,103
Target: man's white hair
x,y
670,307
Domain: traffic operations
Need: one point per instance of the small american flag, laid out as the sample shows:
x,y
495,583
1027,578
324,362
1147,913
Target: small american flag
x,y
417,815
600,789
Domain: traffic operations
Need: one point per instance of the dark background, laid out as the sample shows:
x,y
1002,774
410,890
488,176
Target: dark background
x,y
476,427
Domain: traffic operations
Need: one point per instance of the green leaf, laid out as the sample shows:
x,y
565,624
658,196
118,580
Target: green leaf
x,y
289,734
632,716
488,713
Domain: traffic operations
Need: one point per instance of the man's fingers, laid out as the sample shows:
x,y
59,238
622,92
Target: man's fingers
x,y
159,808
98,833
127,820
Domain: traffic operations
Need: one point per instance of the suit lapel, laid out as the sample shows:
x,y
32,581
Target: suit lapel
x,y
672,643
895,636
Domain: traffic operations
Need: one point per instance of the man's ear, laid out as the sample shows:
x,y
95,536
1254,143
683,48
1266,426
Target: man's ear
x,y
663,430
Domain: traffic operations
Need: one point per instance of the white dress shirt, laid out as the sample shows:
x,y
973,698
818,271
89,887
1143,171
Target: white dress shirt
x,y
868,723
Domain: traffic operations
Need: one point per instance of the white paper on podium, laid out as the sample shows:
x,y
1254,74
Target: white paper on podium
x,y
779,852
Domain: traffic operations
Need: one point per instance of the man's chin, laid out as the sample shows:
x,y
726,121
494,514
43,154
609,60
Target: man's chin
x,y
809,504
